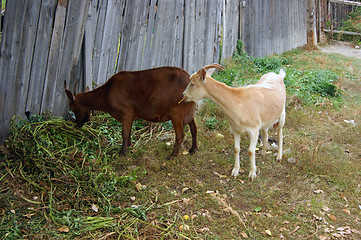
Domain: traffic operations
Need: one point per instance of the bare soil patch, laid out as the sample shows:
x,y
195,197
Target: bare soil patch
x,y
343,48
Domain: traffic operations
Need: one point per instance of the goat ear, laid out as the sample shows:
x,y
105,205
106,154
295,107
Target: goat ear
x,y
202,73
70,95
210,71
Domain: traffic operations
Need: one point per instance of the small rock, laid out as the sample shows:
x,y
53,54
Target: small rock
x,y
292,160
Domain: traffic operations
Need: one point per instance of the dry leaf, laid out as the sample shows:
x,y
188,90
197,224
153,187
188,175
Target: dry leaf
x,y
318,191
244,235
185,189
219,135
63,229
12,211
140,187
325,208
95,208
220,175
203,230
184,228
296,229
185,152
331,217
268,232
29,215
346,211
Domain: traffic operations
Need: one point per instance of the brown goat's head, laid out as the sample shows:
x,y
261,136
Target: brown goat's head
x,y
82,113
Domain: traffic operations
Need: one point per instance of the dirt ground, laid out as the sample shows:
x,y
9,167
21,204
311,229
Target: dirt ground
x,y
343,48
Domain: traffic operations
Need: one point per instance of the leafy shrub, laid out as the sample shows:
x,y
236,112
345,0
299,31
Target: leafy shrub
x,y
352,24
269,64
312,86
211,123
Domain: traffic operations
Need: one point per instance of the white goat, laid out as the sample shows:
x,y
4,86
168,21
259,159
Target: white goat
x,y
248,109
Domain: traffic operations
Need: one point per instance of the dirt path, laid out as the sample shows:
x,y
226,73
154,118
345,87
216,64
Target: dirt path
x,y
343,48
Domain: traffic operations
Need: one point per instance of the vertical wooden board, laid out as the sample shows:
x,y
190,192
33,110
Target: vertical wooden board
x,y
9,52
104,72
74,36
18,81
218,33
228,30
257,24
248,28
55,55
179,32
98,39
211,29
160,33
89,37
142,32
165,35
235,25
149,36
117,26
71,45
291,23
40,56
271,28
189,43
126,33
133,35
26,28
283,26
199,32
241,19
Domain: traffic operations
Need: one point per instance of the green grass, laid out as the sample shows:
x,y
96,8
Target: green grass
x,y
60,182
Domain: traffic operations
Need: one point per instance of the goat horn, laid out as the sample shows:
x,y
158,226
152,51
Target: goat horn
x,y
65,85
213,65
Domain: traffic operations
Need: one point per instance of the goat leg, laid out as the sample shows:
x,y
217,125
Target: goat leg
x,y
127,125
179,136
193,128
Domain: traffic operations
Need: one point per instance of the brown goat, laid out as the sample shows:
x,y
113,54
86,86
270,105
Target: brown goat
x,y
151,95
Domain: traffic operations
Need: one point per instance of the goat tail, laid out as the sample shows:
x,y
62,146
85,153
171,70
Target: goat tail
x,y
282,73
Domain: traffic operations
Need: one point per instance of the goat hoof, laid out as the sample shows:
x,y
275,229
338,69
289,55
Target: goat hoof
x,y
193,150
252,175
235,172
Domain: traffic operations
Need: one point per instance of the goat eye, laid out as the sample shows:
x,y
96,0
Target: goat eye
x,y
192,84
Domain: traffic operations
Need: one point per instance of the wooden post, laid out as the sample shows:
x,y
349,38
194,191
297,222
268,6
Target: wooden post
x,y
311,23
241,19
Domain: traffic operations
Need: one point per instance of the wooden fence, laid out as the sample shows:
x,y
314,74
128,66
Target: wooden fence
x,y
48,41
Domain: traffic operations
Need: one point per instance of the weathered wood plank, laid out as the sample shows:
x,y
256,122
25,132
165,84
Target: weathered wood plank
x,y
189,43
98,40
104,70
8,58
149,44
72,45
89,37
126,34
55,55
342,32
40,56
352,3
